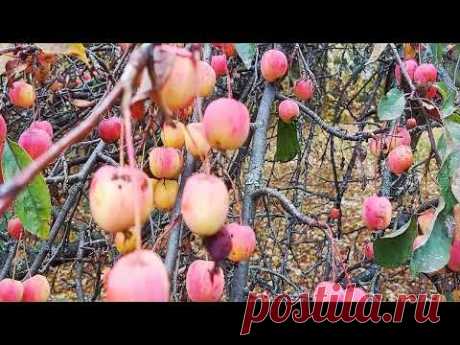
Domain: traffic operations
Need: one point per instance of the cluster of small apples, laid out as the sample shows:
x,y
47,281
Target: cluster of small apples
x,y
397,147
274,65
424,76
329,291
37,139
34,289
205,202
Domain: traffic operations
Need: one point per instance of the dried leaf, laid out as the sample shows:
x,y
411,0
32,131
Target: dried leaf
x,y
82,103
376,52
5,57
409,51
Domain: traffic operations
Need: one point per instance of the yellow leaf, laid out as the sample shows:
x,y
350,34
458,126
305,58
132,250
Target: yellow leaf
x,y
78,50
409,51
74,49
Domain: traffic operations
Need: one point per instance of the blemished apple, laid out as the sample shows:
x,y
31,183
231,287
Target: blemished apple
x,y
376,212
400,159
111,197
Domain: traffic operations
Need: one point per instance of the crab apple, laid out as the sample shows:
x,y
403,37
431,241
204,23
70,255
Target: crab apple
x,y
219,64
334,213
195,140
137,110
3,130
165,162
204,281
418,241
288,110
111,197
243,241
454,260
204,204
35,142
219,245
22,94
376,212
273,65
431,92
354,294
400,159
328,292
11,290
36,289
44,126
165,194
207,79
15,228
227,48
400,136
425,74
410,66
139,276
303,89
172,134
179,89
411,123
425,220
368,250
126,241
110,129
378,145
226,123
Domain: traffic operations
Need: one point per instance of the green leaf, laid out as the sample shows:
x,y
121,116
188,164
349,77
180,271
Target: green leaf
x,y
441,145
448,101
287,145
452,130
246,51
437,50
395,248
391,106
434,253
33,204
